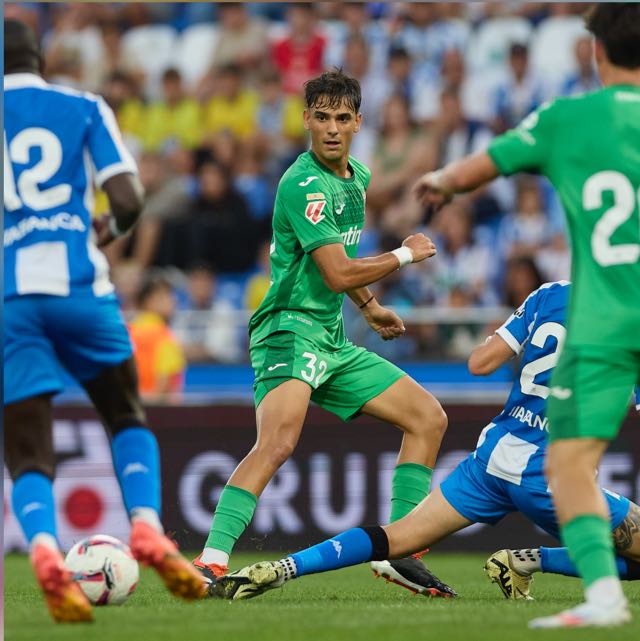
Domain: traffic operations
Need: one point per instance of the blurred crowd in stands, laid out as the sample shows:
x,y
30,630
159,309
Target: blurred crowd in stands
x,y
209,99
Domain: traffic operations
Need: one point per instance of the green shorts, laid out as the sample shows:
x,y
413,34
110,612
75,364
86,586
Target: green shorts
x,y
342,381
590,392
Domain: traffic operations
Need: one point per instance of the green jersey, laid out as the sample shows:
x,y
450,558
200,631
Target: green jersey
x,y
589,148
313,207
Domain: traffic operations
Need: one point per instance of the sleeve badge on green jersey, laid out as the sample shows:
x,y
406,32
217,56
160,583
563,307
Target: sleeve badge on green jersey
x,y
313,212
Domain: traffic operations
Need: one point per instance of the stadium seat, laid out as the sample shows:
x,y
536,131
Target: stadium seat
x,y
193,53
489,46
552,46
151,46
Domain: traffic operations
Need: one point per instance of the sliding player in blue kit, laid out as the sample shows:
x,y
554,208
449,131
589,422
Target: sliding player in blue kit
x,y
61,312
503,475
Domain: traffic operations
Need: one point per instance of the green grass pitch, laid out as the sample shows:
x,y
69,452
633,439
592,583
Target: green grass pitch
x,y
348,605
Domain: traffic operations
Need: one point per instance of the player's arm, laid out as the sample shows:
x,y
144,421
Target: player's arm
x,y
528,147
508,339
115,172
126,198
436,188
341,273
488,357
382,320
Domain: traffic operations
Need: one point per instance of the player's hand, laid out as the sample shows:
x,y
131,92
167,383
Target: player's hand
x,y
429,191
421,246
104,235
384,321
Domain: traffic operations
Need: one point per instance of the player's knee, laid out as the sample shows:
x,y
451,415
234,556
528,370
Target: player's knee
x,y
275,454
430,421
440,420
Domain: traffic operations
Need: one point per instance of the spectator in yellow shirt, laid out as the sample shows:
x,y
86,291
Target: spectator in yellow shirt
x,y
121,95
232,108
174,121
159,356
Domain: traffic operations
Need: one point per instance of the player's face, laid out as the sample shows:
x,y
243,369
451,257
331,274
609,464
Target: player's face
x,y
332,131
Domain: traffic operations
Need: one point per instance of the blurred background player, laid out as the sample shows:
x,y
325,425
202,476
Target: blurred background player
x,y
60,311
299,351
599,186
503,475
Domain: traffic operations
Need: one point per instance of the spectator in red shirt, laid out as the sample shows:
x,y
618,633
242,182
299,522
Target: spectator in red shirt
x,y
299,56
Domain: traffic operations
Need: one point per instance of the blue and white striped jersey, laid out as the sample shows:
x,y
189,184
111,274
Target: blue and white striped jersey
x,y
58,143
512,446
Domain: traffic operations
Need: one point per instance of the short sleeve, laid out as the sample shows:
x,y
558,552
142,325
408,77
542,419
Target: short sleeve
x,y
528,146
108,153
309,211
515,330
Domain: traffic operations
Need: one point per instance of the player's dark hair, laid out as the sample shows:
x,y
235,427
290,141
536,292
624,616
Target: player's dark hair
x,y
330,89
21,48
617,26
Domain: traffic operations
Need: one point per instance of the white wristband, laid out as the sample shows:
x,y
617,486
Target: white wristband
x,y
113,227
404,255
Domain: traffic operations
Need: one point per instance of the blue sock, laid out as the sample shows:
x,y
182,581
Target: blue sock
x,y
136,459
349,548
557,561
32,499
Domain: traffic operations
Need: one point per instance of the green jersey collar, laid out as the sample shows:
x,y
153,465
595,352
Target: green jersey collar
x,y
328,171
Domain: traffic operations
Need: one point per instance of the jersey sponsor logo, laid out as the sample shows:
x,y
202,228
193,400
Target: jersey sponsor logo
x,y
351,236
340,209
270,369
63,220
532,419
314,213
308,180
561,393
318,195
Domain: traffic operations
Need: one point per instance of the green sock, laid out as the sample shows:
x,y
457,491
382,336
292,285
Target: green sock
x,y
411,483
234,511
588,539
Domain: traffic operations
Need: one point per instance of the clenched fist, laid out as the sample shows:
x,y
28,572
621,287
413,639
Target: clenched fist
x,y
421,247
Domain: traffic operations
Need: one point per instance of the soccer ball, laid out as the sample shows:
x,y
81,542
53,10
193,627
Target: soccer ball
x,y
104,568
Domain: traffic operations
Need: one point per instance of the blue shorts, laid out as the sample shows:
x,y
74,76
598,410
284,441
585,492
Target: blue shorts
x,y
43,334
484,498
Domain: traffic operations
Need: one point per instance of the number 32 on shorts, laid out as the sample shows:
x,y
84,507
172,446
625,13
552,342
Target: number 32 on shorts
x,y
310,372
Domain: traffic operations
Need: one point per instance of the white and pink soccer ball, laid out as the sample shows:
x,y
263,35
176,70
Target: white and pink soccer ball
x,y
104,568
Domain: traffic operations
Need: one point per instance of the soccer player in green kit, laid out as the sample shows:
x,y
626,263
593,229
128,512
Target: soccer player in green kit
x,y
297,344
589,148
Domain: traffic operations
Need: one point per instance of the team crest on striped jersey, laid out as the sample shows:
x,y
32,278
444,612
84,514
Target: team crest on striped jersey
x,y
314,213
